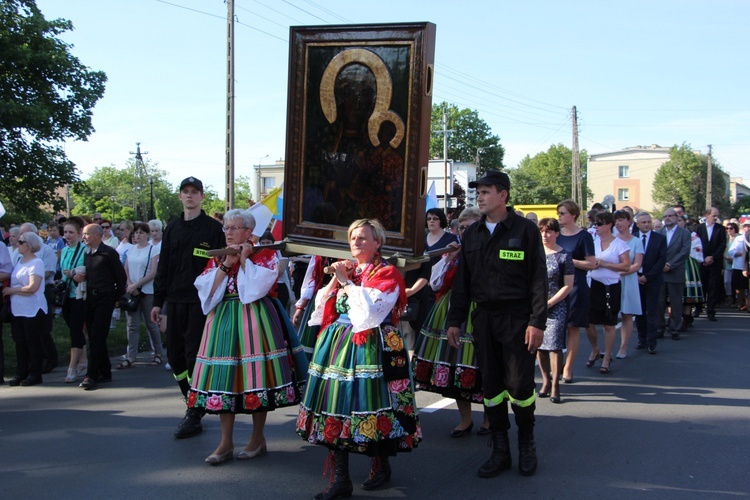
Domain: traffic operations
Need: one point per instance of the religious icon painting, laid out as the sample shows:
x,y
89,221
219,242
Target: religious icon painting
x,y
358,129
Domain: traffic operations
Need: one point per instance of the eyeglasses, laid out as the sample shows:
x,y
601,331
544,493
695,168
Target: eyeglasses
x,y
560,214
21,242
97,218
105,227
432,218
670,215
600,223
228,229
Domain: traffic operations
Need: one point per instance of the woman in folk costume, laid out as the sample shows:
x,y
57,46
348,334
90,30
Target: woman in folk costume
x,y
359,396
313,281
693,294
250,360
437,366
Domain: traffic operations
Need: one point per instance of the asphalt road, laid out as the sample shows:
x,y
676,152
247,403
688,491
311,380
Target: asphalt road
x,y
673,425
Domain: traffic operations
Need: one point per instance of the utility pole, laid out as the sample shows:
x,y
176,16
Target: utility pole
x,y
139,178
445,133
709,182
230,106
577,188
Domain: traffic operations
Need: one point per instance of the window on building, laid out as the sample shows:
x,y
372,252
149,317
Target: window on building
x,y
624,171
623,194
268,184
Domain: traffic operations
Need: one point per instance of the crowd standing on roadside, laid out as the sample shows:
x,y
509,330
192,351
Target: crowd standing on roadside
x,y
510,290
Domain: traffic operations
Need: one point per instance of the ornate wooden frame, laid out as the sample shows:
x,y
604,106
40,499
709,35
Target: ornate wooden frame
x,y
335,172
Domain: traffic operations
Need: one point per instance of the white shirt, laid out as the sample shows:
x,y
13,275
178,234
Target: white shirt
x,y
669,233
612,254
138,262
27,306
49,259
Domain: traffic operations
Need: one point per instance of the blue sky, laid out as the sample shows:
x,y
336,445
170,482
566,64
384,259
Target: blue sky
x,y
640,73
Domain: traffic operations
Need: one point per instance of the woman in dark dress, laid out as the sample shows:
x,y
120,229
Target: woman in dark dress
x,y
560,276
580,245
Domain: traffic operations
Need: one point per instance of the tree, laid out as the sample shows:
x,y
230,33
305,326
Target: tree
x,y
46,97
470,134
682,180
118,194
546,178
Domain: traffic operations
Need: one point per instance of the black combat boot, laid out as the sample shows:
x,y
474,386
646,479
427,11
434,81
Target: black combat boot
x,y
500,459
380,473
526,448
341,485
190,425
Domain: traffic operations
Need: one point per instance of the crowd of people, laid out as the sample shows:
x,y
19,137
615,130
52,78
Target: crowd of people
x,y
500,293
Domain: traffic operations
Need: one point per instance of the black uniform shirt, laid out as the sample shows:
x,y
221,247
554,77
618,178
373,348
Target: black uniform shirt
x,y
503,271
183,257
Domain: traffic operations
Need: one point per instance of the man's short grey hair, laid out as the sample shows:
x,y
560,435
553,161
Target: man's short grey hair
x,y
29,227
246,217
34,241
155,224
641,214
14,230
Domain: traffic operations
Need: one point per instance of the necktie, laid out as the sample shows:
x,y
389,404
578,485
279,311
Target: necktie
x,y
644,242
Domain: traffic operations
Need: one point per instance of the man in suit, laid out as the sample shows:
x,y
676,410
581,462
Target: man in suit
x,y
714,241
650,279
678,250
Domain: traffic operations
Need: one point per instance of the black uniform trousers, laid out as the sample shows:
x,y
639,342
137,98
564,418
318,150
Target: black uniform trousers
x,y
185,322
506,365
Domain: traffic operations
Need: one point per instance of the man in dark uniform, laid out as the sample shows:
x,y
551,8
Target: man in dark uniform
x,y
105,283
502,269
183,257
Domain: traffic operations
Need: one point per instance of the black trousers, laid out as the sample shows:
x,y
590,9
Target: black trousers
x,y
48,343
29,352
712,278
74,314
99,310
185,324
506,365
648,322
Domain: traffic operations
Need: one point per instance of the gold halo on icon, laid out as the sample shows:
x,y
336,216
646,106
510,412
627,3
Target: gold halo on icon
x,y
383,90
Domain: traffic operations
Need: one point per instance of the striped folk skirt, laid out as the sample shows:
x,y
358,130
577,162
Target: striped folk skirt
x,y
308,334
438,367
693,286
249,360
360,398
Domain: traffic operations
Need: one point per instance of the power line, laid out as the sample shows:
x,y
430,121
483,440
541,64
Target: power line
x,y
194,10
328,11
279,12
306,12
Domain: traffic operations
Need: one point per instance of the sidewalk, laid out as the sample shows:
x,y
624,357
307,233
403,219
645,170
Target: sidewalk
x,y
674,425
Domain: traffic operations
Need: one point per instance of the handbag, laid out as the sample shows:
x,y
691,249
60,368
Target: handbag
x,y
61,289
130,302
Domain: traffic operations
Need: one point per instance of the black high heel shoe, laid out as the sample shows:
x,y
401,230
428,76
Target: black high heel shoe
x,y
457,433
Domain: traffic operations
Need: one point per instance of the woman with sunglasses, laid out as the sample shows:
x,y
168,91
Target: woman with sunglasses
x,y
29,308
612,258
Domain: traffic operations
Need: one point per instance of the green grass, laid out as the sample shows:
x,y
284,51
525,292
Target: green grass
x,y
116,342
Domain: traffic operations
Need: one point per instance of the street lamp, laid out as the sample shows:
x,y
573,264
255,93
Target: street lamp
x,y
151,214
260,179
